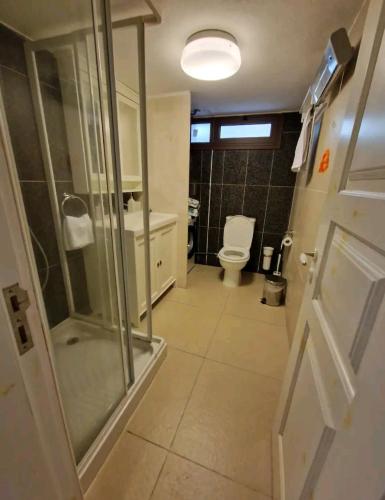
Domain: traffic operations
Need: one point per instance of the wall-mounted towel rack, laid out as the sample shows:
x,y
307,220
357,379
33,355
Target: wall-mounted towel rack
x,y
67,197
337,54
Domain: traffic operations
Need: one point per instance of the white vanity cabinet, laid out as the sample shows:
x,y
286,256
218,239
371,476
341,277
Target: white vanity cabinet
x,y
162,259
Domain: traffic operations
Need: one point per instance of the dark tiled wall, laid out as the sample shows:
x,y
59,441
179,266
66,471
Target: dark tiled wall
x,y
26,147
255,183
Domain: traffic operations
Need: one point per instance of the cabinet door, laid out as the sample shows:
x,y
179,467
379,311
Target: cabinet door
x,y
141,272
154,273
166,256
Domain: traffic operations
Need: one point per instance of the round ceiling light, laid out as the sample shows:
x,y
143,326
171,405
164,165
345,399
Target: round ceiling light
x,y
211,55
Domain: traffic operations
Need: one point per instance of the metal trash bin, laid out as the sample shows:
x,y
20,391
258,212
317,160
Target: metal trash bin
x,y
274,290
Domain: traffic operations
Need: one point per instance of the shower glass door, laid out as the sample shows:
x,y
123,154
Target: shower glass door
x,y
71,196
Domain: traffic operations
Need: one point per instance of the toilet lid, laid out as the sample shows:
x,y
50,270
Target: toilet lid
x,y
238,231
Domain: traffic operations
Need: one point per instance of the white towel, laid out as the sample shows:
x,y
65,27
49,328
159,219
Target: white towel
x,y
193,212
192,202
303,142
77,232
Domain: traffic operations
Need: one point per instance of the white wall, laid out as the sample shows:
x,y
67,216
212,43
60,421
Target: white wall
x,y
168,128
309,198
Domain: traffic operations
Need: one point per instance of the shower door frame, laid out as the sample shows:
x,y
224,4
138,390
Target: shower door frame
x,y
100,448
125,336
30,49
92,459
109,88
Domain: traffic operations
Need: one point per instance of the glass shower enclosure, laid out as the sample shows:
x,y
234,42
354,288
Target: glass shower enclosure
x,y
72,191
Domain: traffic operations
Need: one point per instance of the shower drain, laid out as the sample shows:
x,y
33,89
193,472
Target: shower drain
x,y
72,340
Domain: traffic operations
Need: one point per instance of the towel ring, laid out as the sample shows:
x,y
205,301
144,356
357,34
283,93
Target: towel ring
x,y
67,197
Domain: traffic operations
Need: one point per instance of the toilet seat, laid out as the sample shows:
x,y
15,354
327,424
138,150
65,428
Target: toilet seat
x,y
238,231
234,254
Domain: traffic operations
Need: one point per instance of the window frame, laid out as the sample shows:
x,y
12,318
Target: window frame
x,y
272,142
202,145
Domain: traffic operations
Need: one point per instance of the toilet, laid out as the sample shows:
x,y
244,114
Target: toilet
x,y
237,238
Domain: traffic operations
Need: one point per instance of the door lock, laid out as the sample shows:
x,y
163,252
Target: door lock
x,y
313,254
17,302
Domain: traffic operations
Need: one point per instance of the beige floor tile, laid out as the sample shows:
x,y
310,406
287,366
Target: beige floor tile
x,y
249,344
130,472
227,424
161,409
245,302
213,276
182,480
250,283
184,326
247,278
205,289
200,268
207,298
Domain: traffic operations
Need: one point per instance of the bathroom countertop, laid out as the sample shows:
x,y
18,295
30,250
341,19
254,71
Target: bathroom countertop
x,y
133,221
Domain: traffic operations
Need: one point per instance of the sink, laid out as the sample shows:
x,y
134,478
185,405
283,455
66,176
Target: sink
x,y
133,221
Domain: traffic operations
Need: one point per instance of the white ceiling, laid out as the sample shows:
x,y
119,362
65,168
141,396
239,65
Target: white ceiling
x,y
281,43
38,19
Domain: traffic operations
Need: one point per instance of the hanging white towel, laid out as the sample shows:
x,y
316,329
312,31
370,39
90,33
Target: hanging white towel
x,y
193,203
303,142
194,212
77,232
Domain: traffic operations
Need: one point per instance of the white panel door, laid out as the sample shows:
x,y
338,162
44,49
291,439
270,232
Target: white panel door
x,y
24,471
36,462
329,434
308,437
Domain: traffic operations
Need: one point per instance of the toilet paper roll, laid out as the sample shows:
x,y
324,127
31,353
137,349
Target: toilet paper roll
x,y
287,241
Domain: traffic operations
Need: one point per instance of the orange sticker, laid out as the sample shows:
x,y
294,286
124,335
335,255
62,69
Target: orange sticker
x,y
324,164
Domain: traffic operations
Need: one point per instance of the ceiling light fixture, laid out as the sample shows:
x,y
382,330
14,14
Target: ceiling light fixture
x,y
211,55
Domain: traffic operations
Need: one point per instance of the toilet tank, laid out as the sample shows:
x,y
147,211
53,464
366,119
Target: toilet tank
x,y
238,231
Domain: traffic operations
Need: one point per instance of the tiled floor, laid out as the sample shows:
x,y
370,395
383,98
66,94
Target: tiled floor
x,y
202,431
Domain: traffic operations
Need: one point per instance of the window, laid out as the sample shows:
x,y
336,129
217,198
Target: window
x,y
200,133
245,131
237,132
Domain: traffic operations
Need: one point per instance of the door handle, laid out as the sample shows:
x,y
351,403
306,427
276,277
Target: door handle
x,y
304,257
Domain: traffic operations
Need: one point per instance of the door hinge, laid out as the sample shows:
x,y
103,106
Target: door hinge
x,y
17,303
